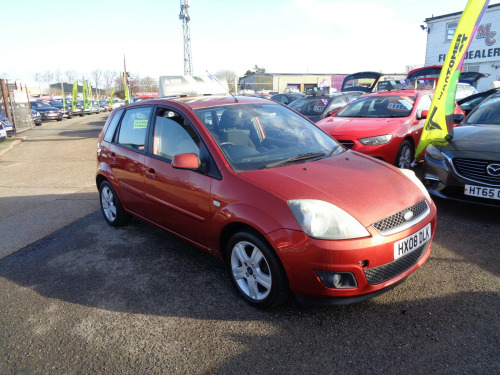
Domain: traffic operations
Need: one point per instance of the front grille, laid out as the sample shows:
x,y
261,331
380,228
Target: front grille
x,y
475,169
347,144
397,222
380,274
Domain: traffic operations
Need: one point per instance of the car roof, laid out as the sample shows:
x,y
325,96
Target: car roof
x,y
197,102
408,92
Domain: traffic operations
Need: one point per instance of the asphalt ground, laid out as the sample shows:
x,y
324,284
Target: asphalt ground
x,y
86,298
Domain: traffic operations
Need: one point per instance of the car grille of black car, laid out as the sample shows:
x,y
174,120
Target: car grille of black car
x,y
397,222
377,275
347,144
475,169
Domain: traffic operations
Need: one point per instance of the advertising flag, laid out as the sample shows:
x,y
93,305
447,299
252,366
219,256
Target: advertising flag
x,y
85,95
111,97
63,97
75,96
439,122
127,94
90,92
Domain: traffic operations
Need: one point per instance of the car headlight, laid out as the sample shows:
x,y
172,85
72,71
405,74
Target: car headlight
x,y
379,140
411,175
434,153
323,220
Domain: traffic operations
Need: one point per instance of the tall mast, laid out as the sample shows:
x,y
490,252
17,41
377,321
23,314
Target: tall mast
x,y
184,16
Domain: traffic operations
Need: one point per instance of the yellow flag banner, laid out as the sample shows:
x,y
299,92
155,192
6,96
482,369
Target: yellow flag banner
x,y
439,122
74,96
127,94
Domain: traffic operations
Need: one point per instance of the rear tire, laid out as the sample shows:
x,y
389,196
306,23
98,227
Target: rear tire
x,y
111,206
405,155
256,271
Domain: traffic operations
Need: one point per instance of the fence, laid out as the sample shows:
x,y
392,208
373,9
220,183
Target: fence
x,y
14,102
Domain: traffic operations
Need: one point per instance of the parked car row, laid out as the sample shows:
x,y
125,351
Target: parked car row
x,y
57,110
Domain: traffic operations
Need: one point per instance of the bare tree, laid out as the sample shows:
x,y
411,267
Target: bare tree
x,y
57,76
230,77
71,75
38,76
109,79
48,76
148,84
96,76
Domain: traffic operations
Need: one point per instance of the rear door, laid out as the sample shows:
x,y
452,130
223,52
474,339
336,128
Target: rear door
x,y
126,157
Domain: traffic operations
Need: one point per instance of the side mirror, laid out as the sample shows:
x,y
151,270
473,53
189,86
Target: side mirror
x,y
333,112
458,118
424,114
186,161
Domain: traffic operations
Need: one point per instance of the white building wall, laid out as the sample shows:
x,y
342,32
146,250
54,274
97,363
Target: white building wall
x,y
484,51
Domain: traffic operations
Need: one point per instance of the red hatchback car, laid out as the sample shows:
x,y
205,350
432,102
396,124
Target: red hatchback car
x,y
289,209
386,125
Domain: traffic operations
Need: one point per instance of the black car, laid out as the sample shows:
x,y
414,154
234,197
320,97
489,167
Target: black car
x,y
316,108
66,109
470,102
467,168
37,117
286,98
47,111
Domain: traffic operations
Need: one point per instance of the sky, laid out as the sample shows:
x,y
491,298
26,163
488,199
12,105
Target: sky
x,y
281,36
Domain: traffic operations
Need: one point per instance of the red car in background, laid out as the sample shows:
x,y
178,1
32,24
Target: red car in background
x,y
386,125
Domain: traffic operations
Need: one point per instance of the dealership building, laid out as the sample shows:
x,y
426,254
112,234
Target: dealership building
x,y
483,55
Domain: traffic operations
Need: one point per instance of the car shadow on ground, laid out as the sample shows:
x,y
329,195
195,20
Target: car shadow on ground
x,y
139,269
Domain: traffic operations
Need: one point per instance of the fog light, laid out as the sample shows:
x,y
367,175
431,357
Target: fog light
x,y
337,280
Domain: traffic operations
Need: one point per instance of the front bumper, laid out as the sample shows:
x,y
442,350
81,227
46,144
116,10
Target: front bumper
x,y
442,181
370,260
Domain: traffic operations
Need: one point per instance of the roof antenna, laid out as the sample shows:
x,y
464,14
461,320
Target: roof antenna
x,y
214,77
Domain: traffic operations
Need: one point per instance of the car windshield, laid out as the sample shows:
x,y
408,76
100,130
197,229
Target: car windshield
x,y
310,106
379,106
487,113
259,136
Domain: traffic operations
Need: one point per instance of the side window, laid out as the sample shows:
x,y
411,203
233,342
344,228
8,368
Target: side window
x,y
133,128
424,104
450,30
173,135
110,132
338,103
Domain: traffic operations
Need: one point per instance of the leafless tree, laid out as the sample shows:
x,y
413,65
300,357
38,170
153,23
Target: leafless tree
x,y
109,80
230,77
71,75
148,84
57,76
48,77
96,76
38,76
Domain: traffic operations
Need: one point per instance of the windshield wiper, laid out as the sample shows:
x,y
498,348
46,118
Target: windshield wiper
x,y
301,157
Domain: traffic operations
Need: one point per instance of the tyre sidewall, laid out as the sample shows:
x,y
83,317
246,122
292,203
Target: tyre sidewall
x,y
121,217
279,289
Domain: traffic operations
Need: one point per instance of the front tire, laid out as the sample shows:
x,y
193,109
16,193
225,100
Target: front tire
x,y
111,206
256,271
405,155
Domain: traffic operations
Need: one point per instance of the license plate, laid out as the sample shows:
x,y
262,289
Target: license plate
x,y
483,192
413,242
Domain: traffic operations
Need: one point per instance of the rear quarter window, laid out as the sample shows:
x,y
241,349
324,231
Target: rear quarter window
x,y
110,131
133,127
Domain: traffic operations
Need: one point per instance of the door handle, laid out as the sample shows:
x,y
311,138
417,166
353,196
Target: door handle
x,y
113,157
150,173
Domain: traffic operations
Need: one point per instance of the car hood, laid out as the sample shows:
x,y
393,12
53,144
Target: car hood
x,y
361,127
477,139
368,189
